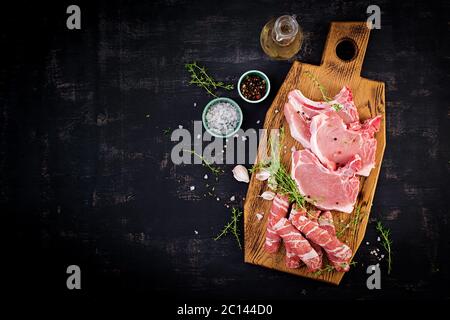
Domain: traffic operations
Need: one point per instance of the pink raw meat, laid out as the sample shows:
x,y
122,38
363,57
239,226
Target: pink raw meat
x,y
310,108
299,112
338,253
335,144
298,125
326,189
297,244
278,210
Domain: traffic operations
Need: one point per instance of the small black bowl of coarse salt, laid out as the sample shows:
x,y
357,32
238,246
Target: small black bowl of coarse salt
x,y
254,86
222,117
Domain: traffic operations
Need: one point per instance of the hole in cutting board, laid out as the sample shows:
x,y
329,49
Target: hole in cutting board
x,y
346,50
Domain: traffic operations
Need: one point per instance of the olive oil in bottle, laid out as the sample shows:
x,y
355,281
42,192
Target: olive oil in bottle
x,y
281,38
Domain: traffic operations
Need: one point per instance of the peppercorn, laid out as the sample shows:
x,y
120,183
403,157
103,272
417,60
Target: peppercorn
x,y
253,87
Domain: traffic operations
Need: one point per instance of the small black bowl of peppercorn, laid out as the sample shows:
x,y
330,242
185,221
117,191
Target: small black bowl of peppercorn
x,y
254,86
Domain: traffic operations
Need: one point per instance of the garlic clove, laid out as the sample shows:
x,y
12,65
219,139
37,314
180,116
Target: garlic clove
x,y
240,173
268,195
263,175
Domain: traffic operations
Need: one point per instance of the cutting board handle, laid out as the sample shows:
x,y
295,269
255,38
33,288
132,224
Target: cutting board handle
x,y
349,41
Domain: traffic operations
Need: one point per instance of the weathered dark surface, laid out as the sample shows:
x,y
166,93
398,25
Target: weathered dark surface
x,y
85,170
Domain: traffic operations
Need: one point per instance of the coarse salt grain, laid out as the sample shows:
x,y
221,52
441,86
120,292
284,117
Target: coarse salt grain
x,y
205,177
195,231
259,216
192,188
232,198
222,118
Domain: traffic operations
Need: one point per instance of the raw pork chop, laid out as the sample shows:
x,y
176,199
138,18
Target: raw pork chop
x,y
335,145
299,112
326,189
309,108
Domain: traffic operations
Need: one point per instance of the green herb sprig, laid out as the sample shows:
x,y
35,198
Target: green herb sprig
x,y
323,91
386,241
329,268
214,169
280,180
232,226
200,78
353,222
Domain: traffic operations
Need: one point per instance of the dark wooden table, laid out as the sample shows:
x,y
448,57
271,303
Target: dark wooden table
x,y
85,170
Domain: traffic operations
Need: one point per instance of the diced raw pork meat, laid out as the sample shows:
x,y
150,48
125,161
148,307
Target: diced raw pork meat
x,y
297,244
338,253
335,145
326,189
278,210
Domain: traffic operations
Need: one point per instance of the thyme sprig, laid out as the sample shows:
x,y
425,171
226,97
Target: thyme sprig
x,y
352,223
232,226
323,91
386,241
200,78
329,268
280,180
214,169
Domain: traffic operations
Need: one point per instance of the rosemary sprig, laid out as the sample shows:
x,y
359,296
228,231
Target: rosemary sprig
x,y
386,241
232,226
214,169
329,268
200,78
323,91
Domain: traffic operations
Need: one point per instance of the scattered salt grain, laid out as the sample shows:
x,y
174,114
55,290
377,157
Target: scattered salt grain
x,y
195,231
199,136
205,177
192,188
180,127
367,243
276,111
378,239
195,104
232,198
222,118
218,199
243,138
259,216
382,256
258,122
222,151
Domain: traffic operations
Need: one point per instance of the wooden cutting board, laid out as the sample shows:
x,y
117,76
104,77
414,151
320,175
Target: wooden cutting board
x,y
333,73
